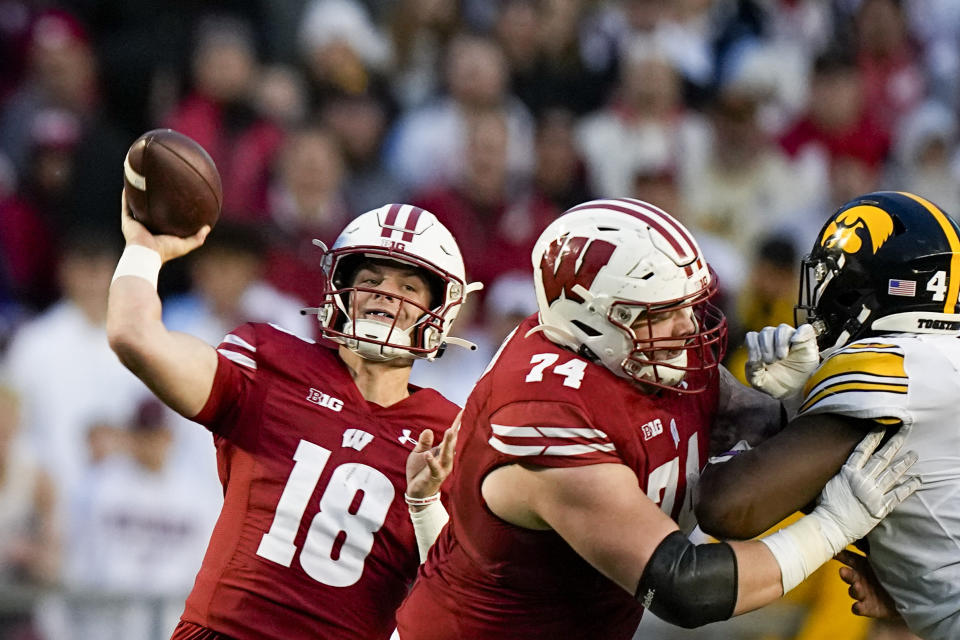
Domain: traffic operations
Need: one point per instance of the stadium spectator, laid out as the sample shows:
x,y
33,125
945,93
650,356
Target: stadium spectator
x,y
219,113
925,159
307,202
62,396
342,50
488,204
646,121
139,501
359,123
428,145
29,532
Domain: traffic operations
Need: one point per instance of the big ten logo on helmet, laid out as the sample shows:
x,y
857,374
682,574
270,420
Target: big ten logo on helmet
x,y
563,266
844,231
320,398
395,245
652,428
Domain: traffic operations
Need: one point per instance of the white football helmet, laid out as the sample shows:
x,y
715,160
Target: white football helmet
x,y
604,265
410,236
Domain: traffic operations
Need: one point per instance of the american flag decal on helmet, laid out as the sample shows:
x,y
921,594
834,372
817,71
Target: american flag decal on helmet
x,y
401,218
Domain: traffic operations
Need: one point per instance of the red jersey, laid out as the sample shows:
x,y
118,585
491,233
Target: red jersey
x,y
314,540
543,405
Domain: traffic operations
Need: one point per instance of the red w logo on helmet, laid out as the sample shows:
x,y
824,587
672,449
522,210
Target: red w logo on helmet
x,y
559,268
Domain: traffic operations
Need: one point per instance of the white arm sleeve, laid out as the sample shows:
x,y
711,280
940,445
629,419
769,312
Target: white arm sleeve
x,y
427,524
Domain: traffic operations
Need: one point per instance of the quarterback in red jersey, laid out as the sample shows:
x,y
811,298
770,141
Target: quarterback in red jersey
x,y
312,438
581,443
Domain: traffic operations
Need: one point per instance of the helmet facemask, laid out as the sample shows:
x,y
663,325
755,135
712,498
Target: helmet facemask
x,y
665,361
830,301
399,235
378,340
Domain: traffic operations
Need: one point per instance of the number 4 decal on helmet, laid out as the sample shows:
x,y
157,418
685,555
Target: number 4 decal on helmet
x,y
938,285
572,370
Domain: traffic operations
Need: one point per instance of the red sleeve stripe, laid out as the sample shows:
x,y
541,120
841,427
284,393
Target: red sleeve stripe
x,y
556,441
236,340
239,358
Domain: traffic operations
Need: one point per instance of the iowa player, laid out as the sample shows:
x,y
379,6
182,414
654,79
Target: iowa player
x,y
312,439
581,442
881,290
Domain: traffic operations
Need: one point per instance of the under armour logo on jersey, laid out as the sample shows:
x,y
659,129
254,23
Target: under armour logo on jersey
x,y
406,438
356,438
652,428
329,402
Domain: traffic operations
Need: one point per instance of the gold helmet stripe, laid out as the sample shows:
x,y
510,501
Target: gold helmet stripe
x,y
950,305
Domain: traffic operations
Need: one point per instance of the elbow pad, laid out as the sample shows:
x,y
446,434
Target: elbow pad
x,y
689,585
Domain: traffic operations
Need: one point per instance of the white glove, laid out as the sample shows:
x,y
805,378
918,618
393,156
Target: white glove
x,y
863,492
780,359
867,488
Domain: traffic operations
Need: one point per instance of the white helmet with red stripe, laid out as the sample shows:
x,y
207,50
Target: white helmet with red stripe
x,y
409,236
604,266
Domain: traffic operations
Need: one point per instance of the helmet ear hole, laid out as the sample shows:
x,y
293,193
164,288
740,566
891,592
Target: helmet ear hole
x,y
587,329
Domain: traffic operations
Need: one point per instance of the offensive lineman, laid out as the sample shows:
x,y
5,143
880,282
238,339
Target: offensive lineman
x,y
581,441
312,438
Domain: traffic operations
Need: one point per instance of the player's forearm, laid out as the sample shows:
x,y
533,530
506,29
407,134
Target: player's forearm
x,y
754,490
134,323
758,576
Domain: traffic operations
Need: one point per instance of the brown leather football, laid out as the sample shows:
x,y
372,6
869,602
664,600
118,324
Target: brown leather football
x,y
172,185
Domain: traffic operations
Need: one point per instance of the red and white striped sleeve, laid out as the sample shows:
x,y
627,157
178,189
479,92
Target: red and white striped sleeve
x,y
236,371
550,434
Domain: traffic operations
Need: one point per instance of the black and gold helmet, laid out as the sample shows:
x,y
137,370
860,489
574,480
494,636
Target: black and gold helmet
x,y
884,262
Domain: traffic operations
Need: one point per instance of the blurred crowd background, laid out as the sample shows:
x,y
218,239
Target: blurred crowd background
x,y
749,120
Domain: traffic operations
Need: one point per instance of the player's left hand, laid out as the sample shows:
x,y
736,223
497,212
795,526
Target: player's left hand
x,y
869,486
780,359
429,466
872,600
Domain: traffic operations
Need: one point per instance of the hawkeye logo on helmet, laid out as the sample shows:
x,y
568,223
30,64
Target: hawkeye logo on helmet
x,y
843,232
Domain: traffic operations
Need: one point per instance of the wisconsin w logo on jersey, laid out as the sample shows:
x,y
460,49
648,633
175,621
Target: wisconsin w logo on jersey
x,y
571,261
844,231
356,439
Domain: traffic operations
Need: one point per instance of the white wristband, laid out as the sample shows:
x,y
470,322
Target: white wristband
x,y
421,502
140,262
802,547
427,524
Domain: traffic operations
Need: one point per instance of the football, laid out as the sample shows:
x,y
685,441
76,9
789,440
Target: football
x,y
171,184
